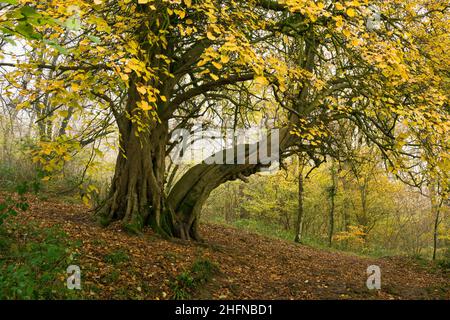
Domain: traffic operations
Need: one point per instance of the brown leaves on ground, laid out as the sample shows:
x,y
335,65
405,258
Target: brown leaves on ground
x,y
116,265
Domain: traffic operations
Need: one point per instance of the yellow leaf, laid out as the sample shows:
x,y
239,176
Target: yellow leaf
x,y
262,80
144,105
85,199
351,12
217,65
224,59
124,76
142,90
202,63
75,87
180,13
63,113
339,22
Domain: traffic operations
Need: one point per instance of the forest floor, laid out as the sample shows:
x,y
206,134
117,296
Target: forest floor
x,y
116,265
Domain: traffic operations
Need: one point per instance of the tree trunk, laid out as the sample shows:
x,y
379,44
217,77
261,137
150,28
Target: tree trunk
x,y
137,192
346,206
436,205
190,193
299,222
363,219
187,197
333,191
435,233
228,205
137,196
243,214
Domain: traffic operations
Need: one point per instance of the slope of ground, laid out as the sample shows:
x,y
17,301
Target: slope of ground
x,y
116,265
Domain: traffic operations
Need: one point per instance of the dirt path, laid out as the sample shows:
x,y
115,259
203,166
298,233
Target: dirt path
x,y
251,266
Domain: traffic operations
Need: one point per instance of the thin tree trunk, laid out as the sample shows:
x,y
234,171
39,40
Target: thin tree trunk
x,y
333,191
435,210
228,204
242,212
435,233
346,206
300,212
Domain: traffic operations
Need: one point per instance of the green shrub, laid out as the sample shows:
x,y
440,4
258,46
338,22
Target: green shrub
x,y
29,177
11,205
444,262
184,284
203,270
33,263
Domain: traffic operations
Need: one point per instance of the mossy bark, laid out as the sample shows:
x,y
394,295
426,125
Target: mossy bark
x,y
189,194
136,195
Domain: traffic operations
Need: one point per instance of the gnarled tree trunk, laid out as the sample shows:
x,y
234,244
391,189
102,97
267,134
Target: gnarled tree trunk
x,y
192,190
137,191
189,194
136,195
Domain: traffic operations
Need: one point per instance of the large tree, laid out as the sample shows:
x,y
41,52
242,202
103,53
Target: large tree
x,y
159,64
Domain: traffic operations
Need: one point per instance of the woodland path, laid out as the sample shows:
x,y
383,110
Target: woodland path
x,y
250,266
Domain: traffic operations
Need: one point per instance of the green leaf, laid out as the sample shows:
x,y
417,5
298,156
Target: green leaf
x,y
58,47
29,12
73,24
25,29
94,39
7,39
9,1
22,188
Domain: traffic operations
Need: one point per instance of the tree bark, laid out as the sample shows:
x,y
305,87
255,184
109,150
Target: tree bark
x,y
137,192
299,222
346,205
187,197
136,195
190,193
333,191
436,205
435,232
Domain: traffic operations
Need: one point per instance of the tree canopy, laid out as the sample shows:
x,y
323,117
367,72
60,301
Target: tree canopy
x,y
321,70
